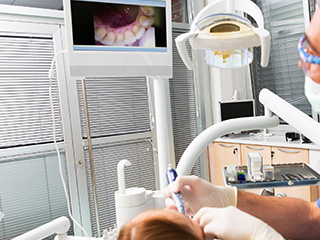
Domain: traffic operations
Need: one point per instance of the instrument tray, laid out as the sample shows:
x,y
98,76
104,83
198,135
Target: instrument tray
x,y
285,175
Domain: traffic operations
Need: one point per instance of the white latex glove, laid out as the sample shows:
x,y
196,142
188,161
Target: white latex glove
x,y
199,193
230,223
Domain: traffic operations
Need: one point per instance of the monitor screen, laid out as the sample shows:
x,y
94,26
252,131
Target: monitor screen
x,y
237,109
118,25
119,38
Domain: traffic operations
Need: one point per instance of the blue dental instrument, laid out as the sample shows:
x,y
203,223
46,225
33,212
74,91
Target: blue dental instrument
x,y
177,197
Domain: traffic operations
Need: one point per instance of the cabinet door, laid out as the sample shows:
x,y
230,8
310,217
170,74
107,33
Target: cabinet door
x,y
225,154
265,152
292,155
289,155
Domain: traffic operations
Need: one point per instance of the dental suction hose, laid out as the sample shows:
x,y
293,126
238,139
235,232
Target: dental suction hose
x,y
215,131
292,115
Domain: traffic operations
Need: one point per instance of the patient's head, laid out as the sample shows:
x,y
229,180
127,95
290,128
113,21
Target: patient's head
x,y
159,224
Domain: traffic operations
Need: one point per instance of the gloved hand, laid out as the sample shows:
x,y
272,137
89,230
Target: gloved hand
x,y
230,223
199,193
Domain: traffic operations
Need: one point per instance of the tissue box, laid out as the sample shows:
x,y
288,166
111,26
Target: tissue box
x,y
255,166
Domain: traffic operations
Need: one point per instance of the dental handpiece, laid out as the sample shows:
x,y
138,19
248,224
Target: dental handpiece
x,y
177,197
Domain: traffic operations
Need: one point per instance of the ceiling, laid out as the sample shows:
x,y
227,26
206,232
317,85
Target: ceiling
x,y
47,4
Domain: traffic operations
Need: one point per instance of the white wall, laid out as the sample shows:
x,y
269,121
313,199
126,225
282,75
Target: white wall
x,y
227,85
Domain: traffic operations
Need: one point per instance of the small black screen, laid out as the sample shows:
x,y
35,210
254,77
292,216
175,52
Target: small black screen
x,y
236,109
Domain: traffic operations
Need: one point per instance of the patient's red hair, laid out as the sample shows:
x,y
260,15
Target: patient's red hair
x,y
158,225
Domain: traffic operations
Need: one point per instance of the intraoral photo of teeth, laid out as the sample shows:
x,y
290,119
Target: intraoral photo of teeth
x,y
124,25
118,25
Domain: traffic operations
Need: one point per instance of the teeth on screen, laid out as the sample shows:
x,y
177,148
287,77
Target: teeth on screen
x,y
119,38
109,38
148,11
100,33
129,37
145,21
126,35
138,31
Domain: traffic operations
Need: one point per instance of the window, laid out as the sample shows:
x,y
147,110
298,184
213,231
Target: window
x,y
119,115
285,22
31,192
117,107
183,103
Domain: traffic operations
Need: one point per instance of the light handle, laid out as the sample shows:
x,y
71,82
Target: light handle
x,y
182,48
264,36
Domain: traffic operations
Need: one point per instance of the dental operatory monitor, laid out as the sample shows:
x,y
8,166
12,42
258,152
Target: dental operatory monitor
x,y
105,37
237,109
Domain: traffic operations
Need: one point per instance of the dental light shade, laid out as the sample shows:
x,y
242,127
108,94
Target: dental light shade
x,y
226,37
293,116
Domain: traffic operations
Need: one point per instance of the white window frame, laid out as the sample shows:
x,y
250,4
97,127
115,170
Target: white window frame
x,y
41,22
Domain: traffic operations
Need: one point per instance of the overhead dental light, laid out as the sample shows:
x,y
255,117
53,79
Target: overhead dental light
x,y
226,36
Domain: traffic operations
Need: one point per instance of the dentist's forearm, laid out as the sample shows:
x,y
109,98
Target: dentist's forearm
x,y
293,218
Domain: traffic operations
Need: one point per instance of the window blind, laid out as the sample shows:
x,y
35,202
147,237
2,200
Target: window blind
x,y
106,158
24,92
313,5
285,22
117,107
183,104
31,192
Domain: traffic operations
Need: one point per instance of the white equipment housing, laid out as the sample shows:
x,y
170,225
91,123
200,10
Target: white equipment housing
x,y
96,46
226,36
126,38
130,202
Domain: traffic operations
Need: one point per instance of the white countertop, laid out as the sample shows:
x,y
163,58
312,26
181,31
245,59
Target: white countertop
x,y
275,137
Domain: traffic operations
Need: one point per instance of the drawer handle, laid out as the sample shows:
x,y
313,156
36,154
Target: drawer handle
x,y
288,151
226,145
255,148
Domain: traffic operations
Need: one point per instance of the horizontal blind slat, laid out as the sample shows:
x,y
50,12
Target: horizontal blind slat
x,y
24,91
285,22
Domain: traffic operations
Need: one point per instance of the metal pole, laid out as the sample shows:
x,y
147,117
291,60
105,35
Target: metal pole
x,y
93,176
163,128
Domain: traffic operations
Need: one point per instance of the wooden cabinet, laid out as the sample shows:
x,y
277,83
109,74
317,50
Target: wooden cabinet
x,y
293,155
289,155
222,154
226,154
